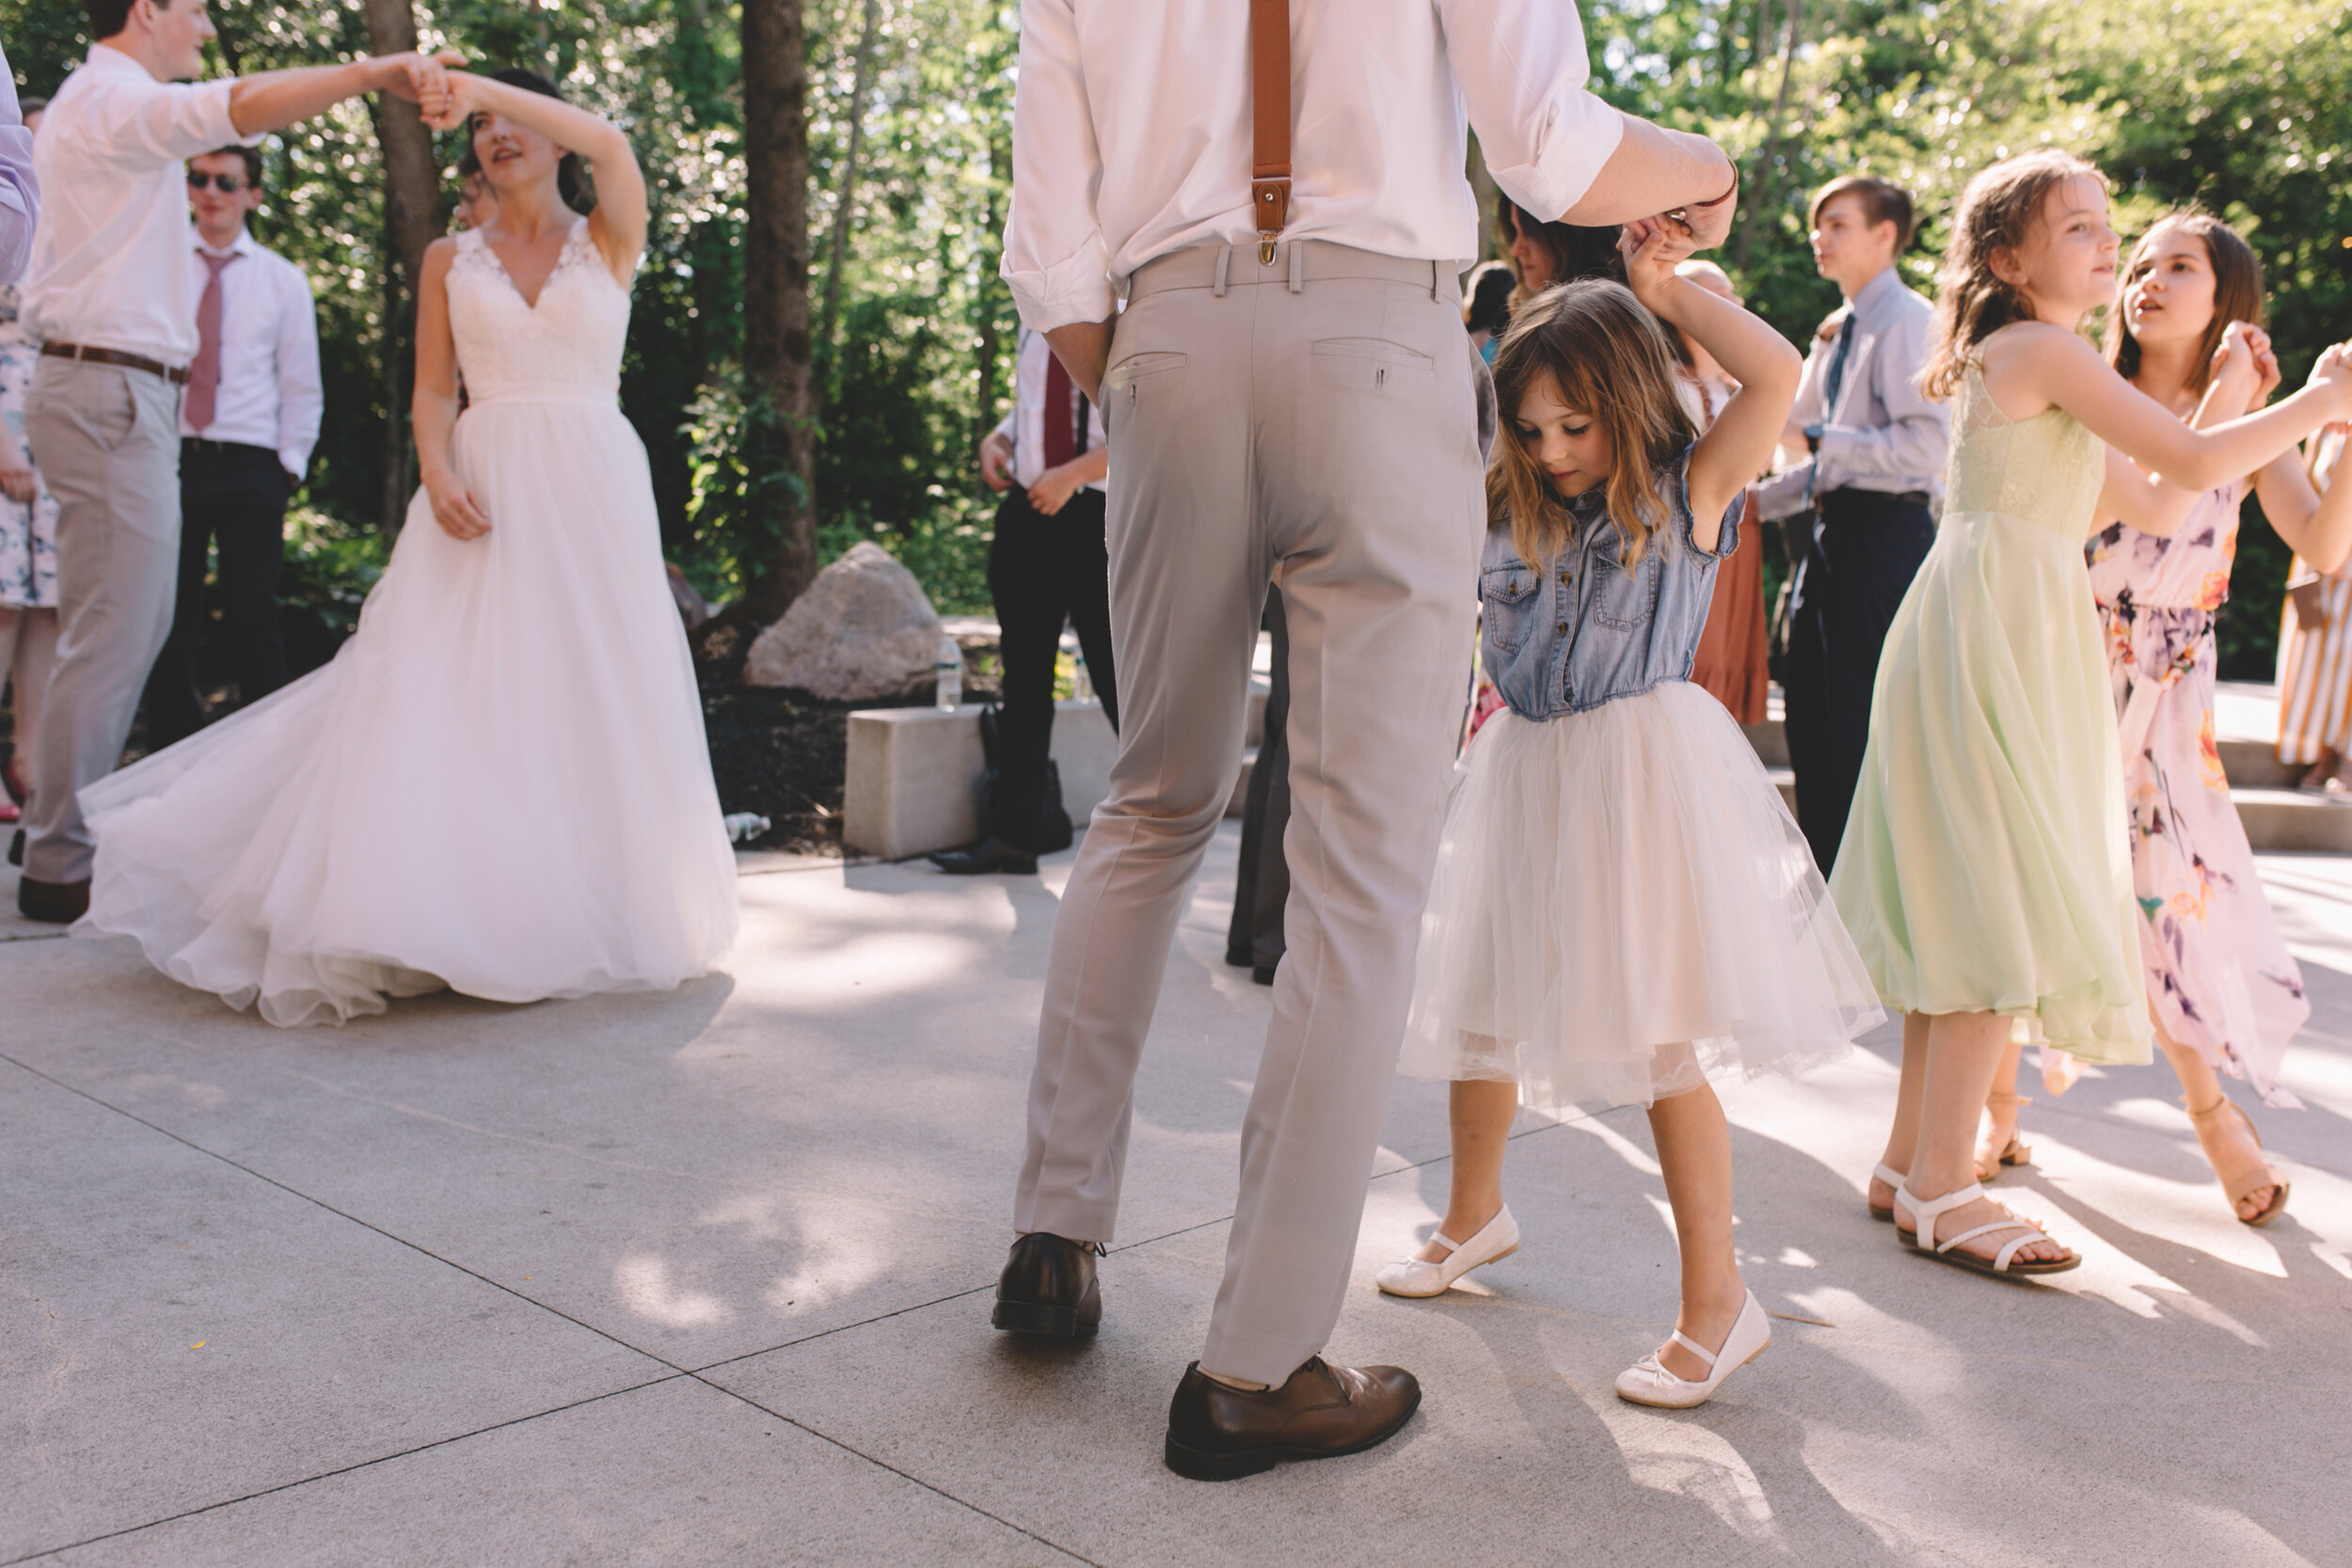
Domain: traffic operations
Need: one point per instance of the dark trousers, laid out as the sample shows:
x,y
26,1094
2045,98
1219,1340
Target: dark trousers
x,y
1262,885
234,495
1042,571
1864,555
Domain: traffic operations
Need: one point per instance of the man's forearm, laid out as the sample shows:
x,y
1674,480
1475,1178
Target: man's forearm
x,y
1653,170
1084,349
277,99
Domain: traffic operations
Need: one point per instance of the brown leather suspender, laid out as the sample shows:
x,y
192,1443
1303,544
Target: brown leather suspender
x,y
1270,120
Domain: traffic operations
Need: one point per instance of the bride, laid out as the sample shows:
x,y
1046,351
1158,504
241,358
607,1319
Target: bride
x,y
501,785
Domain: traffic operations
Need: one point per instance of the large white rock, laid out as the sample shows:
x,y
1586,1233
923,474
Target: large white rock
x,y
864,631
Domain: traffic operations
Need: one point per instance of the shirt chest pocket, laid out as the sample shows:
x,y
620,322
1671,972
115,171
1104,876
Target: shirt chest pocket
x,y
1509,601
1621,599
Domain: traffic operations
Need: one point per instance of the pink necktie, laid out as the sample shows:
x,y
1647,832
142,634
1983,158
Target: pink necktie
x,y
204,374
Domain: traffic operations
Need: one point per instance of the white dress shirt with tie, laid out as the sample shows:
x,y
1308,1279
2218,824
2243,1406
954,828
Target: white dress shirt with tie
x,y
1880,431
109,266
1159,91
270,394
1024,424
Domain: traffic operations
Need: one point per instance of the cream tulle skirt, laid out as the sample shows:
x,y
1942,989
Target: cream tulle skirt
x,y
1623,909
500,785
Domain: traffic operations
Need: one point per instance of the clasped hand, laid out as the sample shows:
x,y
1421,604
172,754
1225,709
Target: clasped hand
x,y
454,506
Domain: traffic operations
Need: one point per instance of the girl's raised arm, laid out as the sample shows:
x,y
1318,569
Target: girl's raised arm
x,y
2238,384
2034,366
1739,445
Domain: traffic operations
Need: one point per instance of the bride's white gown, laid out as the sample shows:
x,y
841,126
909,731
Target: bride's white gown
x,y
501,783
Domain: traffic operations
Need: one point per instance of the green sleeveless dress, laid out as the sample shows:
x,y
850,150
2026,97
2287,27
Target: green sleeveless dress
x,y
1986,866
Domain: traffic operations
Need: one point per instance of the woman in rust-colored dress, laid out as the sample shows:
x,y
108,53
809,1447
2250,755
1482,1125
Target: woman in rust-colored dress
x,y
1731,660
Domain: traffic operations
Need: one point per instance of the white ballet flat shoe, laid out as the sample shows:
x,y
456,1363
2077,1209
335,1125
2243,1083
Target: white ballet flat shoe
x,y
1647,1382
1410,1276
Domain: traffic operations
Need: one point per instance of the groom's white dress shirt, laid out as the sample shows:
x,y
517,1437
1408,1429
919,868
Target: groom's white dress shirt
x,y
1158,90
110,261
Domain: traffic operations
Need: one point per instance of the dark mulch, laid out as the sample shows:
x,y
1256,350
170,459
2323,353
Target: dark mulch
x,y
785,753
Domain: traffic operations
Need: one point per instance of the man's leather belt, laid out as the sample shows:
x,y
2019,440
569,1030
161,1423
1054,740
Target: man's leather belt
x,y
177,376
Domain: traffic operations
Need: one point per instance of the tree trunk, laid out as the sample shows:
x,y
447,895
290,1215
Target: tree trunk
x,y
859,77
776,285
414,216
1768,172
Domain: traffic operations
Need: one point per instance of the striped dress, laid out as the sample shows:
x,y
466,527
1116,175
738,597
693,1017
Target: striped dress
x,y
2315,664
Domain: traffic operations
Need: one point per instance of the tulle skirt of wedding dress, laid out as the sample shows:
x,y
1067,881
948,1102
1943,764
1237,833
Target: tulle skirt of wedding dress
x,y
501,783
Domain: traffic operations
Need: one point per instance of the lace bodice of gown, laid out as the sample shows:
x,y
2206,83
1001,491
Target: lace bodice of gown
x,y
2045,470
566,348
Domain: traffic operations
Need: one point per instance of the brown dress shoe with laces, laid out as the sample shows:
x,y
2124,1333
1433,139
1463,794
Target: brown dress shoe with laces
x,y
58,903
1215,1433
1048,1287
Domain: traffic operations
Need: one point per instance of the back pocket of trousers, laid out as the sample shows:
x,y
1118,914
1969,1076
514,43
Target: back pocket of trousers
x,y
1370,365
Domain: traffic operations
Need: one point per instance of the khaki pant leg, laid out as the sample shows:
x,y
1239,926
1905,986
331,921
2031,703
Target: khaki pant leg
x,y
107,441
1371,485
1188,570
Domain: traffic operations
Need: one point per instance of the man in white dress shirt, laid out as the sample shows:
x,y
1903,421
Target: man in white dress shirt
x,y
112,297
248,423
1289,393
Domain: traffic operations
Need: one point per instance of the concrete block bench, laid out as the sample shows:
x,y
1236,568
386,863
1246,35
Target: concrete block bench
x,y
914,775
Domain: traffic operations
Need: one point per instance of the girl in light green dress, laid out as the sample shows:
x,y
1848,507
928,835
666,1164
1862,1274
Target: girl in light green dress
x,y
1984,873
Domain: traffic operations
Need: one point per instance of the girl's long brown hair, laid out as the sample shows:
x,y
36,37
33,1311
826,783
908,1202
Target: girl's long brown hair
x,y
1999,211
2237,291
1607,358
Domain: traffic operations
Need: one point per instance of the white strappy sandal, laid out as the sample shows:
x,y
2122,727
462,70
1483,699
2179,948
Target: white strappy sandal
x,y
1647,1382
1925,1212
1413,1276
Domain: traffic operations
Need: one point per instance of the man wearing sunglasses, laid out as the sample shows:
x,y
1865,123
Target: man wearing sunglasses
x,y
247,421
113,298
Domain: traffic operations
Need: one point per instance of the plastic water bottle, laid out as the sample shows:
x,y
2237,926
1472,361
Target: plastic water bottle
x,y
949,668
1082,684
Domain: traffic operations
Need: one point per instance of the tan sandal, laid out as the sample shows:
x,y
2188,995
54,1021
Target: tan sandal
x,y
2242,1173
2015,1152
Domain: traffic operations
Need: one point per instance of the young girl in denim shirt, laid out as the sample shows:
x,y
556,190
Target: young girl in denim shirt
x,y
1623,906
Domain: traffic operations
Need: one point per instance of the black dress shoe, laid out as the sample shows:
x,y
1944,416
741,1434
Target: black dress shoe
x,y
990,854
1262,973
16,849
1048,1287
1215,1433
58,903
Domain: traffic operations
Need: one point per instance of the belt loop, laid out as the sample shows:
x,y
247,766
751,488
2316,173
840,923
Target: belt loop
x,y
1434,275
1298,267
1224,260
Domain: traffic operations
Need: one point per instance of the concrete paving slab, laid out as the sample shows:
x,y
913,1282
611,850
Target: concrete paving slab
x,y
827,1133
1922,1416
675,1473
175,1332
796,1175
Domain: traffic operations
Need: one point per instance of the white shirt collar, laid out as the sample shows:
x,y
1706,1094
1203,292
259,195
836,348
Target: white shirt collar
x,y
246,245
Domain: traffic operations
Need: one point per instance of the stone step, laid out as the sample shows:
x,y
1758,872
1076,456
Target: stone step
x,y
2274,819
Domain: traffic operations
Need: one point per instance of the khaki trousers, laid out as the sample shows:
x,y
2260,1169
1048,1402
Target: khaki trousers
x,y
1312,421
106,441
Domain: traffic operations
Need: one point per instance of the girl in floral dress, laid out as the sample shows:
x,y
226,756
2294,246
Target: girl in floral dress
x,y
2224,995
28,560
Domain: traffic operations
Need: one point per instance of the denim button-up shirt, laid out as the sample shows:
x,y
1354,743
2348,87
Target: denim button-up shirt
x,y
1585,630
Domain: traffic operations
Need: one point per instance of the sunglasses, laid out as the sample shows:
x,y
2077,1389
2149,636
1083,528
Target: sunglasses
x,y
228,184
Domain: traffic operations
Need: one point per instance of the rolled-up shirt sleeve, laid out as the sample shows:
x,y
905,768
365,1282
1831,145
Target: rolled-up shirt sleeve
x,y
1912,444
147,123
1790,491
1523,71
1055,260
19,193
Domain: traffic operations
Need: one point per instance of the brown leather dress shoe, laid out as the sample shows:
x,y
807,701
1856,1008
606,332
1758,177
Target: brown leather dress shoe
x,y
1220,1433
1048,1287
58,903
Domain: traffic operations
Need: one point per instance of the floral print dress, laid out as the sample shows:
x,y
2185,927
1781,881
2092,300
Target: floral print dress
x,y
28,535
2219,977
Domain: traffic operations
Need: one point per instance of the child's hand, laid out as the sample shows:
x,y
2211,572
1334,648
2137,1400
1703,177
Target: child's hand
x,y
2333,374
1652,249
2234,372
